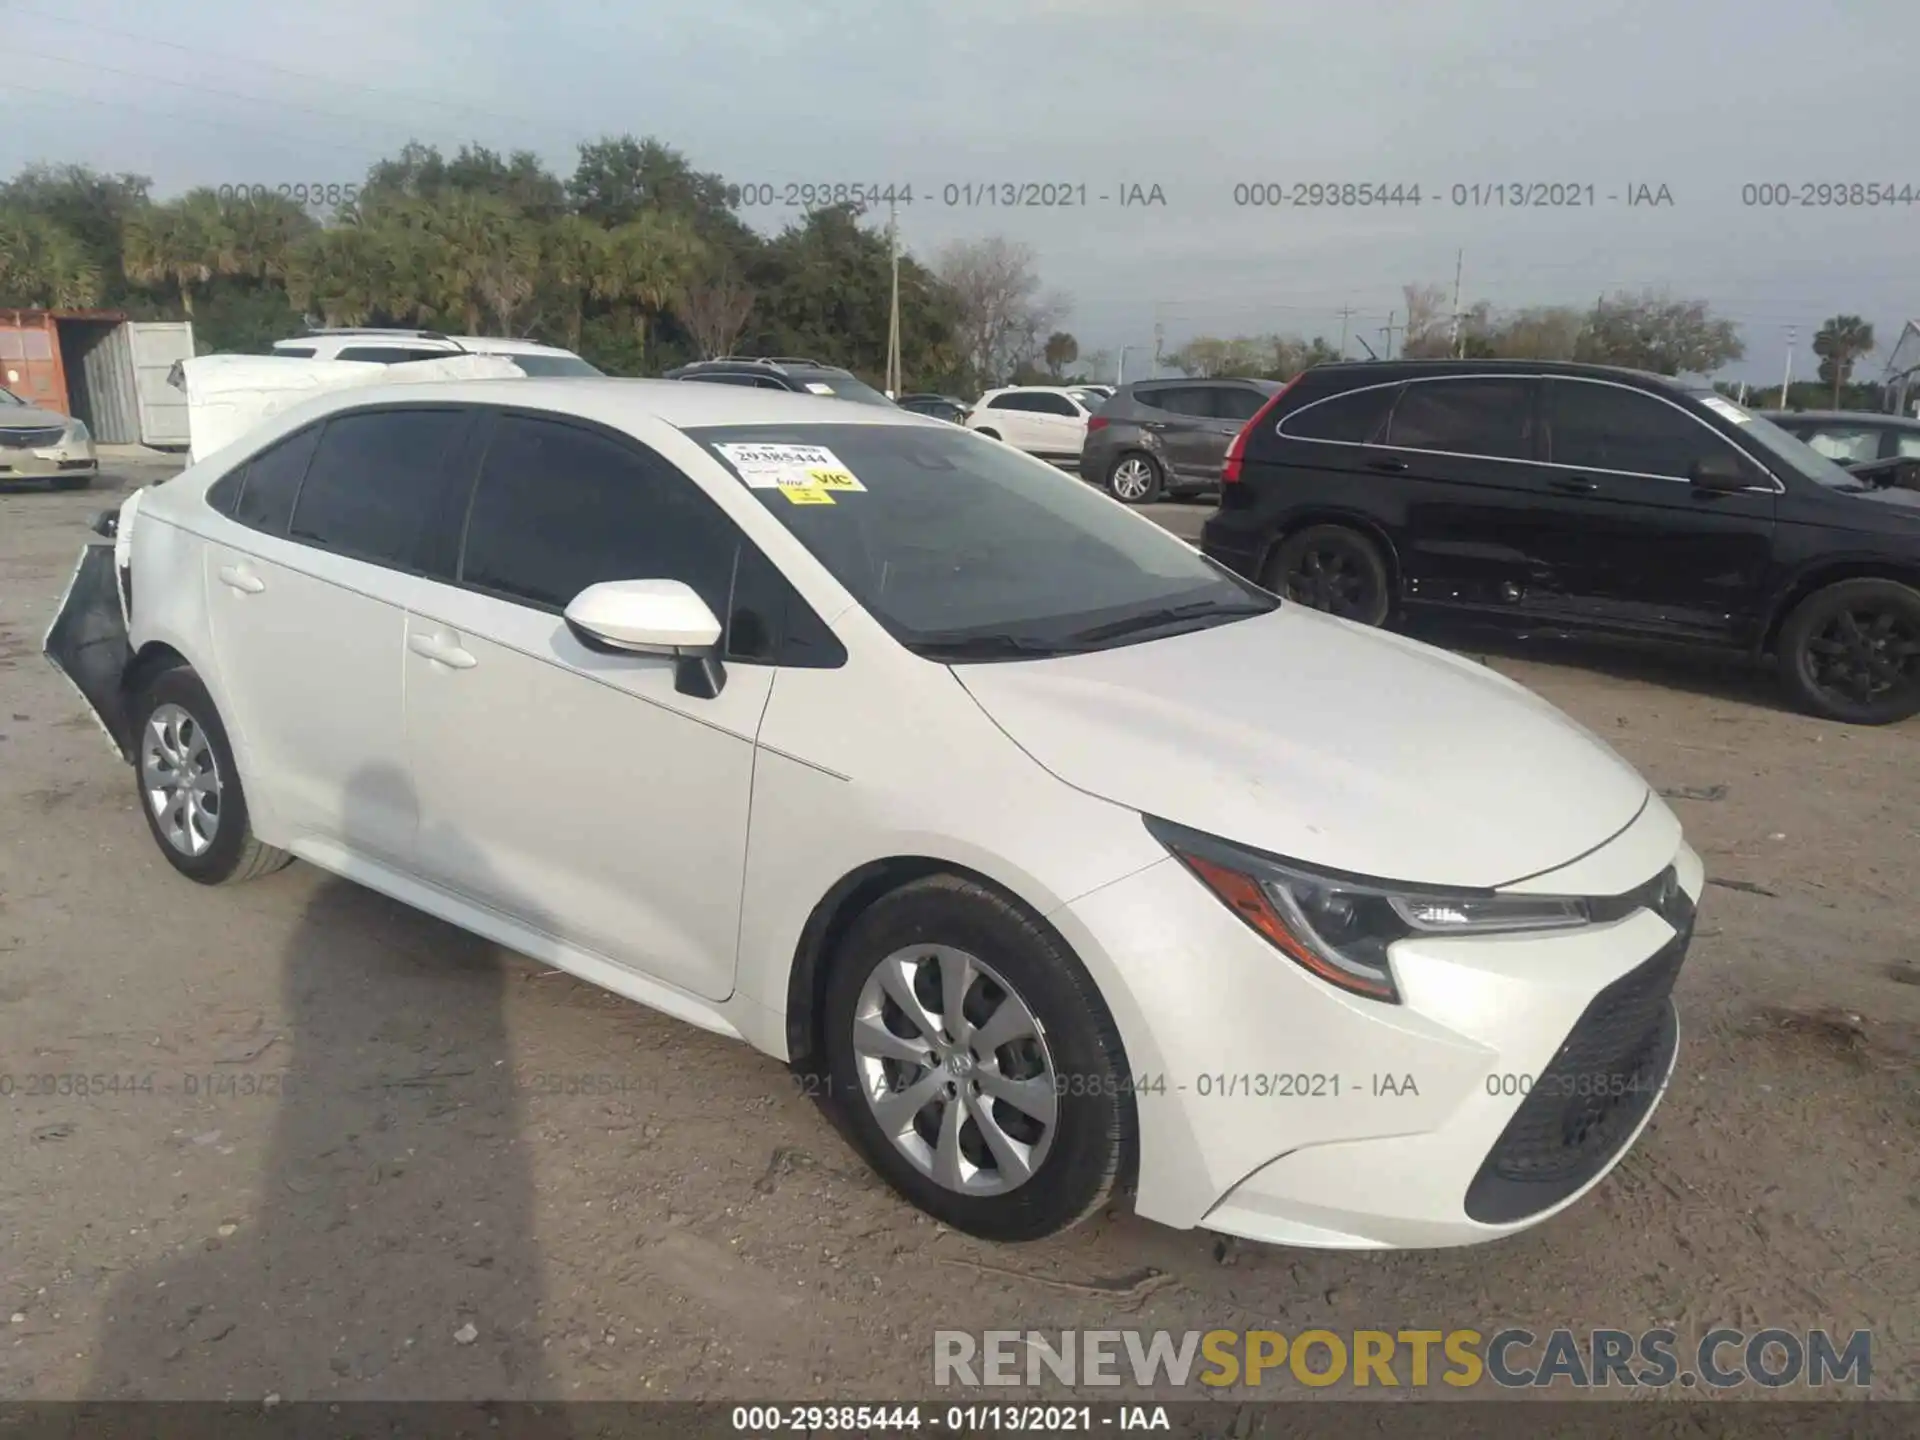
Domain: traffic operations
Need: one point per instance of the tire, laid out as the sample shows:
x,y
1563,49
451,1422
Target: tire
x,y
1851,652
990,434
1135,478
213,845
1333,568
1071,1058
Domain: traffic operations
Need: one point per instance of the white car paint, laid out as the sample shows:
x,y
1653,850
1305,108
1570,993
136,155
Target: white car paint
x,y
1052,437
469,756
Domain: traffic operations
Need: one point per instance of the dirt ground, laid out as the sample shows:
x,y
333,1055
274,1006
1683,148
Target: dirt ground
x,y
347,1157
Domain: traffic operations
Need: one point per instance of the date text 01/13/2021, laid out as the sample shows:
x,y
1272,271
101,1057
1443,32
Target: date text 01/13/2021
x,y
970,194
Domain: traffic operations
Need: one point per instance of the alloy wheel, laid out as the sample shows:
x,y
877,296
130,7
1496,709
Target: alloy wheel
x,y
1132,478
1329,576
955,1068
1864,653
181,779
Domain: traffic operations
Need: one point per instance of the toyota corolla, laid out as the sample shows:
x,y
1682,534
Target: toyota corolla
x,y
1070,863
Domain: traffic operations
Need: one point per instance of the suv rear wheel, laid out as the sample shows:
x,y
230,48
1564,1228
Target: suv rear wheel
x,y
1332,568
1851,652
1134,478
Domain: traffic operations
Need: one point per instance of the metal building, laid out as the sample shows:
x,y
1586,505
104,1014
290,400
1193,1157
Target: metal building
x,y
99,367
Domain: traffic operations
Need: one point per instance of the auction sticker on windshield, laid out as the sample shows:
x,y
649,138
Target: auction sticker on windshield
x,y
790,467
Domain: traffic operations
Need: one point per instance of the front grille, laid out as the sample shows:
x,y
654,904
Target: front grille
x,y
31,439
1578,1113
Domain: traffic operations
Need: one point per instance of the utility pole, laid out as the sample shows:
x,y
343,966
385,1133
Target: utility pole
x,y
1120,370
893,318
1389,330
1787,380
1346,313
1453,338
1159,343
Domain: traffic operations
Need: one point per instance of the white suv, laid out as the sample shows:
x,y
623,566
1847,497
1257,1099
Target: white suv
x,y
1049,421
396,347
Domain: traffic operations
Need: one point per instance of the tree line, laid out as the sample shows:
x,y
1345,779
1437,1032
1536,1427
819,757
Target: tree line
x,y
639,261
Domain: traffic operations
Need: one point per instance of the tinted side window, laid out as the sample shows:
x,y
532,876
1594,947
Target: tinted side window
x,y
390,354
1609,427
1010,402
1238,402
1357,418
271,480
373,482
1186,400
1151,398
1051,404
558,508
1465,417
299,352
1846,445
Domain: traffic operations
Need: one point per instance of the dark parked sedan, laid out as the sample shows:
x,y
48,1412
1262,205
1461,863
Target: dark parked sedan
x,y
1571,498
950,408
1168,437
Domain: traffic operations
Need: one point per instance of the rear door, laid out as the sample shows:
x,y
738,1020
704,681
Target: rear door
x,y
1011,417
1477,510
1058,425
1182,420
1646,550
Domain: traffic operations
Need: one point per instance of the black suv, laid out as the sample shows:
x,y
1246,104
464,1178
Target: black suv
x,y
1568,499
781,372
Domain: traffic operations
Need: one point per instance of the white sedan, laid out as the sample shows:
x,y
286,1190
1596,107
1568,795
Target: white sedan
x,y
1069,862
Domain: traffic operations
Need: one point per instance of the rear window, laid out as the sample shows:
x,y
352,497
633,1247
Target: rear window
x,y
545,365
391,354
1358,417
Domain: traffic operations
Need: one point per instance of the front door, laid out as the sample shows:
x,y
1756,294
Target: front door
x,y
580,792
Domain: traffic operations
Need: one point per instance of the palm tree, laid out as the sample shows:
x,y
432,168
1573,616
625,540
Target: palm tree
x,y
45,266
342,274
1840,342
266,230
182,244
647,261
573,251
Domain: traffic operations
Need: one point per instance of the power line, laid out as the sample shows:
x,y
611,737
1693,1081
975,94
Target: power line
x,y
413,96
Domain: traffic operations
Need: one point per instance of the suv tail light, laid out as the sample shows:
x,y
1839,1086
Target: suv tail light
x,y
1237,451
1096,422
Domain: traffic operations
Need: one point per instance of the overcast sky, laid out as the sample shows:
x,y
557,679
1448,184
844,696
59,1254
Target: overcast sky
x,y
1195,96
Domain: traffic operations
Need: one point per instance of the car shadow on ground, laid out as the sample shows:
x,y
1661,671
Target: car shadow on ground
x,y
389,1251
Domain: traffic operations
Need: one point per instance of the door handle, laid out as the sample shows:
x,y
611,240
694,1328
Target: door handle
x,y
444,651
242,579
1575,485
1389,464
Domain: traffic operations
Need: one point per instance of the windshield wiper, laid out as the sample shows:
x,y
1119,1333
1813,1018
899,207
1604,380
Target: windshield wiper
x,y
1170,615
997,645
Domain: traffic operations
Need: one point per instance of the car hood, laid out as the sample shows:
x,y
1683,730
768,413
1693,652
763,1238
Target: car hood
x,y
1323,742
32,417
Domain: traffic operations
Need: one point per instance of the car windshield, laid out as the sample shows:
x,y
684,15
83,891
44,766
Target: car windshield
x,y
841,387
966,549
553,365
1801,457
7,397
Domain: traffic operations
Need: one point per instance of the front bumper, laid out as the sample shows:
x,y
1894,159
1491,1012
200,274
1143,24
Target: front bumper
x,y
57,462
1276,1108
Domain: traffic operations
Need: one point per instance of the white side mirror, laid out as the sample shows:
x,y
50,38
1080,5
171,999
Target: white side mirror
x,y
652,617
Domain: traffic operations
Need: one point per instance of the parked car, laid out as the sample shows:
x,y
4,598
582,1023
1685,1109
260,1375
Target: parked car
x,y
1048,421
398,347
1851,437
1168,437
1031,835
950,408
38,444
782,372
1573,498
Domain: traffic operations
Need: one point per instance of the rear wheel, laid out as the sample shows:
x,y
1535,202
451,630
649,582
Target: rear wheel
x,y
1135,478
1851,652
1335,569
190,787
975,1063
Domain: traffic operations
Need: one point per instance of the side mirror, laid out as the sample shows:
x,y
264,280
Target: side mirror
x,y
1720,473
107,523
652,617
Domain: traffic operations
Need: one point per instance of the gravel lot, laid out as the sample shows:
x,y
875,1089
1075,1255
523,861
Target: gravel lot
x,y
347,1163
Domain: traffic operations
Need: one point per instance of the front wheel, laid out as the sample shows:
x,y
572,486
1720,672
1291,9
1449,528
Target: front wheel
x,y
975,1063
190,787
1335,569
1851,652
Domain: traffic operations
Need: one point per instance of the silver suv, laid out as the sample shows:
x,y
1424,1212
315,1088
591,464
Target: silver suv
x,y
1168,437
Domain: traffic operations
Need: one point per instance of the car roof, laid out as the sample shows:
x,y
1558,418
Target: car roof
x,y
1853,417
1388,371
1178,380
621,402
452,344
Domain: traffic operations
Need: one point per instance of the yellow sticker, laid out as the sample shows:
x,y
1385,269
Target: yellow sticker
x,y
806,495
830,477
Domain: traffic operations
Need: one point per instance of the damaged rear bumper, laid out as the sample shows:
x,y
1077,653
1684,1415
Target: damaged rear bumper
x,y
88,644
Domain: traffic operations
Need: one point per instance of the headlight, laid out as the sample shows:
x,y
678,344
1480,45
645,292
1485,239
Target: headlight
x,y
77,432
1339,926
